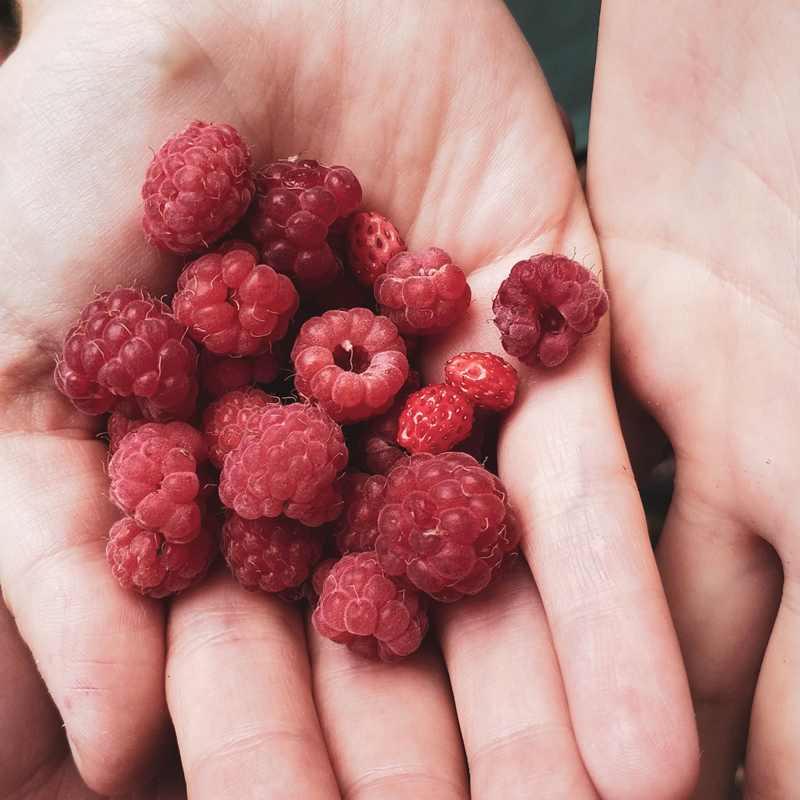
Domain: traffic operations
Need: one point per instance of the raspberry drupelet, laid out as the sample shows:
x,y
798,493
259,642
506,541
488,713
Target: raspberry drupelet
x,y
434,419
197,187
372,242
350,363
357,527
126,343
149,563
232,304
422,294
545,307
225,420
270,554
288,462
359,606
296,205
445,526
154,479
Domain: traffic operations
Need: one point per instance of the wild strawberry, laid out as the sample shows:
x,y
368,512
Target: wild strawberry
x,y
434,419
488,380
371,242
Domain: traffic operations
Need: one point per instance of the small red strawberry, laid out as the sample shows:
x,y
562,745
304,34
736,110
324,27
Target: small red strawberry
x,y
371,242
488,380
434,419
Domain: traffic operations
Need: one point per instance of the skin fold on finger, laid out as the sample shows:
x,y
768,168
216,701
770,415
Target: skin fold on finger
x,y
239,692
390,728
99,647
513,710
772,766
723,616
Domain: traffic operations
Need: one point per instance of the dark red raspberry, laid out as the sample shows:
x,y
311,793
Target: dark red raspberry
x,y
232,304
445,525
372,241
197,187
221,374
434,419
486,379
357,527
225,420
359,606
120,424
149,563
287,463
351,363
126,343
270,554
343,291
154,479
545,307
296,204
422,294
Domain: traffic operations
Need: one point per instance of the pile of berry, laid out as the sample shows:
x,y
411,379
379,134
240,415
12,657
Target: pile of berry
x,y
379,476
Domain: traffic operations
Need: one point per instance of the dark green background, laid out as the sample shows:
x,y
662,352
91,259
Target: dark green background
x,y
563,35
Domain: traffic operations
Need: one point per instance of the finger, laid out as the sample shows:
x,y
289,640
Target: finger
x,y
239,691
390,728
723,587
507,686
99,648
772,768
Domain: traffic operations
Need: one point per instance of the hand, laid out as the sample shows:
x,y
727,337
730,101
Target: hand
x,y
570,686
693,185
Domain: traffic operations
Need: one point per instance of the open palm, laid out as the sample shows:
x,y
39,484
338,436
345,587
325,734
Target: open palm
x,y
693,186
569,686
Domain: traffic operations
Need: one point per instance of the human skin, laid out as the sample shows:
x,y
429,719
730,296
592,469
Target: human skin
x,y
571,685
692,180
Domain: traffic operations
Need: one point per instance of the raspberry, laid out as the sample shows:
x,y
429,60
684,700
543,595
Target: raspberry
x,y
317,581
545,307
154,479
343,291
232,304
351,363
270,554
126,343
287,463
296,204
225,420
422,294
357,527
221,374
197,187
362,608
486,379
434,419
445,526
151,564
372,241
119,425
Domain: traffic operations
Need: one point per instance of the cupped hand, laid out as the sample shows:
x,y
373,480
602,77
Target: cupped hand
x,y
693,186
567,686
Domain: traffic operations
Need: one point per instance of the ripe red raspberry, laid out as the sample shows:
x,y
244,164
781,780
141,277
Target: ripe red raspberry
x,y
317,580
357,527
351,363
221,374
372,241
422,294
126,343
296,204
434,419
151,564
225,420
545,307
197,187
287,463
270,554
154,479
445,526
362,608
232,304
120,424
486,379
